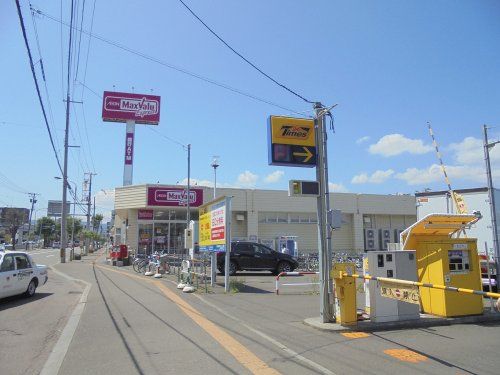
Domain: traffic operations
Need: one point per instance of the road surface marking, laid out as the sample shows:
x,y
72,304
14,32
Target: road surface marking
x,y
290,352
355,335
406,355
240,352
48,256
56,357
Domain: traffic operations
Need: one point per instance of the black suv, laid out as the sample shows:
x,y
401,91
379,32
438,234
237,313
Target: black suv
x,y
246,256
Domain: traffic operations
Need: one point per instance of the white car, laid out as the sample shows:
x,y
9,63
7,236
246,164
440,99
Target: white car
x,y
19,274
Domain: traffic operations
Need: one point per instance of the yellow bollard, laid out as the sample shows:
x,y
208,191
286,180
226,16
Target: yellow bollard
x,y
345,289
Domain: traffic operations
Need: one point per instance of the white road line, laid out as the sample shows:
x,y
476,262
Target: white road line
x,y
48,256
59,351
275,342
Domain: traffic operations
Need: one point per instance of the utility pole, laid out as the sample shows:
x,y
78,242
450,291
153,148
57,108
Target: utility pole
x,y
72,254
491,196
326,289
64,238
188,215
89,206
33,201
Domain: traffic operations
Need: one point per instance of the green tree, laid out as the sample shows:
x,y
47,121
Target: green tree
x,y
14,218
47,227
69,227
96,222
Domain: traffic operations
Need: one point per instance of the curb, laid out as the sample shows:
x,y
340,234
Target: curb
x,y
366,326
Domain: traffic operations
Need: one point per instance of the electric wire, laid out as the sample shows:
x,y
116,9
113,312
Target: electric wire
x,y
88,46
170,66
80,41
44,78
11,185
21,21
168,138
87,136
80,136
183,145
243,57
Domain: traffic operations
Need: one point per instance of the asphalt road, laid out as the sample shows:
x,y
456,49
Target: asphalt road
x,y
29,327
132,324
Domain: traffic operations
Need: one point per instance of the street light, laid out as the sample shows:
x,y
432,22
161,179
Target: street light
x,y
215,164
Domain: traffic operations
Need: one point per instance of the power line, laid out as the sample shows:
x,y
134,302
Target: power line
x,y
21,21
168,138
88,46
168,65
243,57
149,127
33,19
9,184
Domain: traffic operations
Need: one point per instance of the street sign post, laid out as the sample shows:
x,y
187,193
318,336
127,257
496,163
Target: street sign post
x,y
296,142
291,142
215,232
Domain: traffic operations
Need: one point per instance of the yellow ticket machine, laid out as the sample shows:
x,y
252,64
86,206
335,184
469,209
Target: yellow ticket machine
x,y
444,258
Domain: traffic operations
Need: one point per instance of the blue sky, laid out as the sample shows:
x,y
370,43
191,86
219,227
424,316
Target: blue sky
x,y
391,66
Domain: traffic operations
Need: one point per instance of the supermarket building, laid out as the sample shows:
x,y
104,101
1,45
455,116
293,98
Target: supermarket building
x,y
154,216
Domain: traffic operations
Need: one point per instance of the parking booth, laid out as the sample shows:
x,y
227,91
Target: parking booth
x,y
445,256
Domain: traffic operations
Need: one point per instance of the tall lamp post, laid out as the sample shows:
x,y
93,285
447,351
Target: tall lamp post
x,y
213,256
215,164
491,196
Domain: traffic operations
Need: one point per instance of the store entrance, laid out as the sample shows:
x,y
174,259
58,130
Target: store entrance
x,y
164,235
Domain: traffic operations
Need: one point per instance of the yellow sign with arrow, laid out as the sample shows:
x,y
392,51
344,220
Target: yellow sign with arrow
x,y
292,142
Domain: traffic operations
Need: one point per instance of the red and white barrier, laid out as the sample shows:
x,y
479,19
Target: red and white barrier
x,y
293,274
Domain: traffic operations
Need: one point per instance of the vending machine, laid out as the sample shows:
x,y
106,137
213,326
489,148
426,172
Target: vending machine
x,y
287,245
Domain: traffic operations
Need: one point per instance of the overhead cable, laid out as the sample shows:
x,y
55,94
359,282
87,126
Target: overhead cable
x,y
168,65
243,57
21,21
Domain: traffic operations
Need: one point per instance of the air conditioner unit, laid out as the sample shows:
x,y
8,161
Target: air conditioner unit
x,y
385,238
385,234
371,240
397,233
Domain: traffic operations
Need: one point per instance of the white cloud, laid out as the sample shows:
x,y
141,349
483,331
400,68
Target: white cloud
x,y
362,139
396,144
376,177
196,182
336,188
105,202
247,179
274,177
470,151
415,176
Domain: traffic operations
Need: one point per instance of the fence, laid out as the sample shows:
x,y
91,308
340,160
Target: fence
x,y
309,262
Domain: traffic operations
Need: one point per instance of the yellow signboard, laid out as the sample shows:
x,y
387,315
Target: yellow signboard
x,y
212,226
401,292
292,131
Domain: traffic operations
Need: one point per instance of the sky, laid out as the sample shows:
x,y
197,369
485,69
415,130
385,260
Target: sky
x,y
390,67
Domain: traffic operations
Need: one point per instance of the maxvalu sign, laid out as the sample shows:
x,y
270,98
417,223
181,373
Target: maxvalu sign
x,y
122,107
174,197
